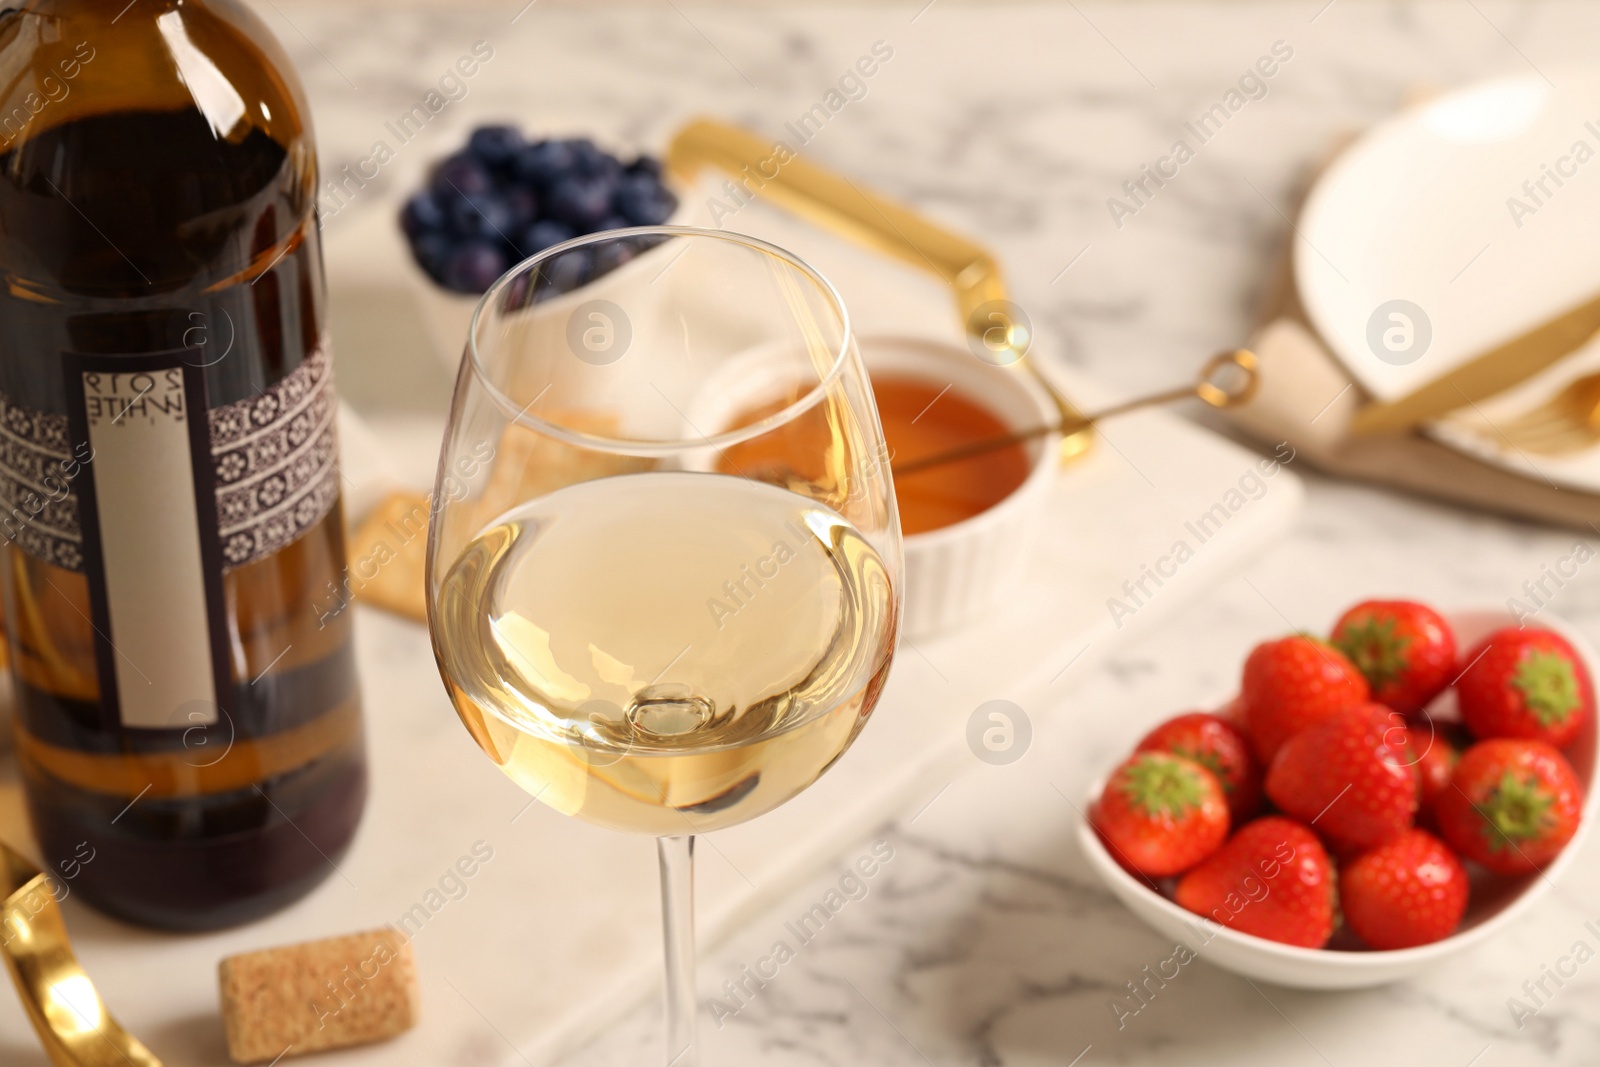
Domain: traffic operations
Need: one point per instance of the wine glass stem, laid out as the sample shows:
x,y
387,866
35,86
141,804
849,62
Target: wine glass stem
x,y
677,923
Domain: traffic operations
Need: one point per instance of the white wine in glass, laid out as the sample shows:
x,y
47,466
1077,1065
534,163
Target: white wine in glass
x,y
664,580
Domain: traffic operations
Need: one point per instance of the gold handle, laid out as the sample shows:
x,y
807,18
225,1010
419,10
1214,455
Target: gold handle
x,y
62,1004
839,205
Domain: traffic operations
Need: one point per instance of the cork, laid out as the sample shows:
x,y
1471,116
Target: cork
x,y
342,991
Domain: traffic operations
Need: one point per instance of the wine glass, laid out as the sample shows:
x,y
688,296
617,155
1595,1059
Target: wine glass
x,y
663,553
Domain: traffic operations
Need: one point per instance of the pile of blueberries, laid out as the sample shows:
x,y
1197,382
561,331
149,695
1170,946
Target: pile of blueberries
x,y
503,198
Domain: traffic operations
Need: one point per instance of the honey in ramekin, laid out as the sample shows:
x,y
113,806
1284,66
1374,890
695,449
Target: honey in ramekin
x,y
920,418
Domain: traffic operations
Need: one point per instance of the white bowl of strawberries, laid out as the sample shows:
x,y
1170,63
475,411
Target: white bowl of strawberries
x,y
1365,807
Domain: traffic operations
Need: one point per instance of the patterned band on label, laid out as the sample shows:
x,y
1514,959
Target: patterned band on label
x,y
36,468
277,461
275,456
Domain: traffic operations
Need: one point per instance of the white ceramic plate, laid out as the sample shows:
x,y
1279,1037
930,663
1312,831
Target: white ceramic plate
x,y
1473,209
1472,430
1424,208
1495,903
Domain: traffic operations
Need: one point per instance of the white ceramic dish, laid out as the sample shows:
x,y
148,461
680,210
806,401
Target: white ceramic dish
x,y
1423,208
960,573
1496,902
1443,206
448,315
1472,430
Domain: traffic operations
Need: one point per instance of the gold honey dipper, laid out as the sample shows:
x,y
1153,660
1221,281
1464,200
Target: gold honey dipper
x,y
1227,380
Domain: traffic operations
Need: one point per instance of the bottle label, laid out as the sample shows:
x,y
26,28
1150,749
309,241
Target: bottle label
x,y
155,584
153,506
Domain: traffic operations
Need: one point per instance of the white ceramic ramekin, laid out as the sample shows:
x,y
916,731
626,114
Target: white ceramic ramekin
x,y
957,574
448,314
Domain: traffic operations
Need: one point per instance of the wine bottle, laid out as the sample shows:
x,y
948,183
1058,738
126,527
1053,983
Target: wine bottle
x,y
187,712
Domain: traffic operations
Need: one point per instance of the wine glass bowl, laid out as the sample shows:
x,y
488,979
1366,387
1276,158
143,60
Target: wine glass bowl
x,y
654,610
773,656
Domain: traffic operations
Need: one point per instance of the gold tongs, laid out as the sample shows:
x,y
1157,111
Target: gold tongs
x,y
62,1004
840,206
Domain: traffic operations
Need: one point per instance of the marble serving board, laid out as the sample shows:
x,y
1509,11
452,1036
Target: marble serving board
x,y
558,932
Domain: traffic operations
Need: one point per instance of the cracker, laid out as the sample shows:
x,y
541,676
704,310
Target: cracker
x,y
388,551
388,556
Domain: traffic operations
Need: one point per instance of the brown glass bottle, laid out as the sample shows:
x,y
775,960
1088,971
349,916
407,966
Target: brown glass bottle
x,y
187,709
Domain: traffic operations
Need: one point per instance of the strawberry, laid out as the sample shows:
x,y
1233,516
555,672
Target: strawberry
x,y
1219,747
1406,892
1405,650
1512,805
1161,813
1525,683
1272,879
1349,776
1435,750
1291,683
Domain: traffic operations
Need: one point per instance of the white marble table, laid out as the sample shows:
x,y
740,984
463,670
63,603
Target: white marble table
x,y
985,940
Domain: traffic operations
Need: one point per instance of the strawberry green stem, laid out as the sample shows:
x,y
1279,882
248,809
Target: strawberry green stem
x,y
1376,650
1517,809
1158,784
1548,686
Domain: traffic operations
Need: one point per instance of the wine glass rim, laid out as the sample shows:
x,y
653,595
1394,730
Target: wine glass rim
x,y
629,446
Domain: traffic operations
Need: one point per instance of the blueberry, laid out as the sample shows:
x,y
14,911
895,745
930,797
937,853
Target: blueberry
x,y
423,213
473,267
643,201
542,234
586,155
431,250
592,161
611,255
580,202
645,165
524,207
487,215
567,271
542,163
462,174
613,222
495,146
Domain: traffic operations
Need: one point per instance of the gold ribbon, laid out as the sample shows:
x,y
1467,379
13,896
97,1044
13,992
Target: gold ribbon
x,y
61,1002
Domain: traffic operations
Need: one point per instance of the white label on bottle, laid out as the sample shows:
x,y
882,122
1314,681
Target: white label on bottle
x,y
150,545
